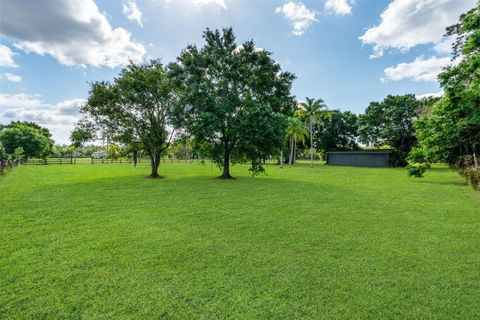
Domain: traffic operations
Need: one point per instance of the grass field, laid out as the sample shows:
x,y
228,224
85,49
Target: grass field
x,y
104,242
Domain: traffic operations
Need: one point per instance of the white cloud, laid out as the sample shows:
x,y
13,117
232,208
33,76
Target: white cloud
x,y
408,23
59,118
419,70
12,77
131,11
19,100
299,15
201,3
74,32
6,57
431,94
340,7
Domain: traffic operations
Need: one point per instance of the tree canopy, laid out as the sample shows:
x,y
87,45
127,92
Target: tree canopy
x,y
33,139
235,98
136,108
390,122
336,130
452,129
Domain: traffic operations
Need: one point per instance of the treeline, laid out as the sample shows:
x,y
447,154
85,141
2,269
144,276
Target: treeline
x,y
21,140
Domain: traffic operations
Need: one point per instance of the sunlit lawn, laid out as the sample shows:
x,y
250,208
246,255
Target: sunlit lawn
x,y
104,242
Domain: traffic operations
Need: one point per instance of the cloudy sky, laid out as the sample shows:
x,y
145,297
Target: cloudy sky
x,y
348,52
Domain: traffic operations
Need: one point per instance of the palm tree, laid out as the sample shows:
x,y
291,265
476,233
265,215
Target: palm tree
x,y
310,109
295,132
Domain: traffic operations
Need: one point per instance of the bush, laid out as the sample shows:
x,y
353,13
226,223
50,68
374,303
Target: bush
x,y
417,169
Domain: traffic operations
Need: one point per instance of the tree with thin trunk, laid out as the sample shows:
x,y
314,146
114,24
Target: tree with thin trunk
x,y
83,132
296,132
310,110
136,108
235,98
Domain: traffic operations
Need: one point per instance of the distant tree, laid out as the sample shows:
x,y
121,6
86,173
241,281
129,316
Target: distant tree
x,y
31,138
44,131
336,130
391,122
310,110
296,132
83,132
234,98
136,108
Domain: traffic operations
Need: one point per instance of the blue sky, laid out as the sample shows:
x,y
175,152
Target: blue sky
x,y
343,51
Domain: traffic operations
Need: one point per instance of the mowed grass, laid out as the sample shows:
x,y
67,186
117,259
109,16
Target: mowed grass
x,y
104,242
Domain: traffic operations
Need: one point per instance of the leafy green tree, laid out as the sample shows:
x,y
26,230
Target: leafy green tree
x,y
310,110
44,131
336,130
136,108
455,122
83,132
391,122
296,132
234,98
32,139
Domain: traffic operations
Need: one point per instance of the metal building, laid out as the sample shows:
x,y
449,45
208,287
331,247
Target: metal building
x,y
361,158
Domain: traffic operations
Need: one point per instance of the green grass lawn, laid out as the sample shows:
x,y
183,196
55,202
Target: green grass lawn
x,y
104,242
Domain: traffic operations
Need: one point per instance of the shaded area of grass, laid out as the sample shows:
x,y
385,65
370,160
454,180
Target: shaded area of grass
x,y
102,242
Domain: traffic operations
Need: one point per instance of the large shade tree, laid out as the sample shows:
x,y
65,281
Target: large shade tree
x,y
310,110
336,130
391,122
234,98
136,108
452,129
32,138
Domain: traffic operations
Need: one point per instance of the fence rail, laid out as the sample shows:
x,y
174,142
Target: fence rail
x,y
66,161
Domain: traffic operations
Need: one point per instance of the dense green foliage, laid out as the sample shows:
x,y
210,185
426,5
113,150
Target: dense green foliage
x,y
450,131
136,108
34,140
390,122
336,130
102,242
235,98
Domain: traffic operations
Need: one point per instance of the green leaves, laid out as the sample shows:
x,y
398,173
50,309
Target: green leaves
x,y
233,97
34,140
391,122
136,108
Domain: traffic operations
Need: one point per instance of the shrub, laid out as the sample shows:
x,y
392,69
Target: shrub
x,y
416,169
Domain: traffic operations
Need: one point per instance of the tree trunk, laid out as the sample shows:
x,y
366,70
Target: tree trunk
x,y
311,145
135,157
155,162
226,167
475,161
281,158
291,153
294,150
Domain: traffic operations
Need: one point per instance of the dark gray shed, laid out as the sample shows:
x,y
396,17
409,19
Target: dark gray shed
x,y
361,158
